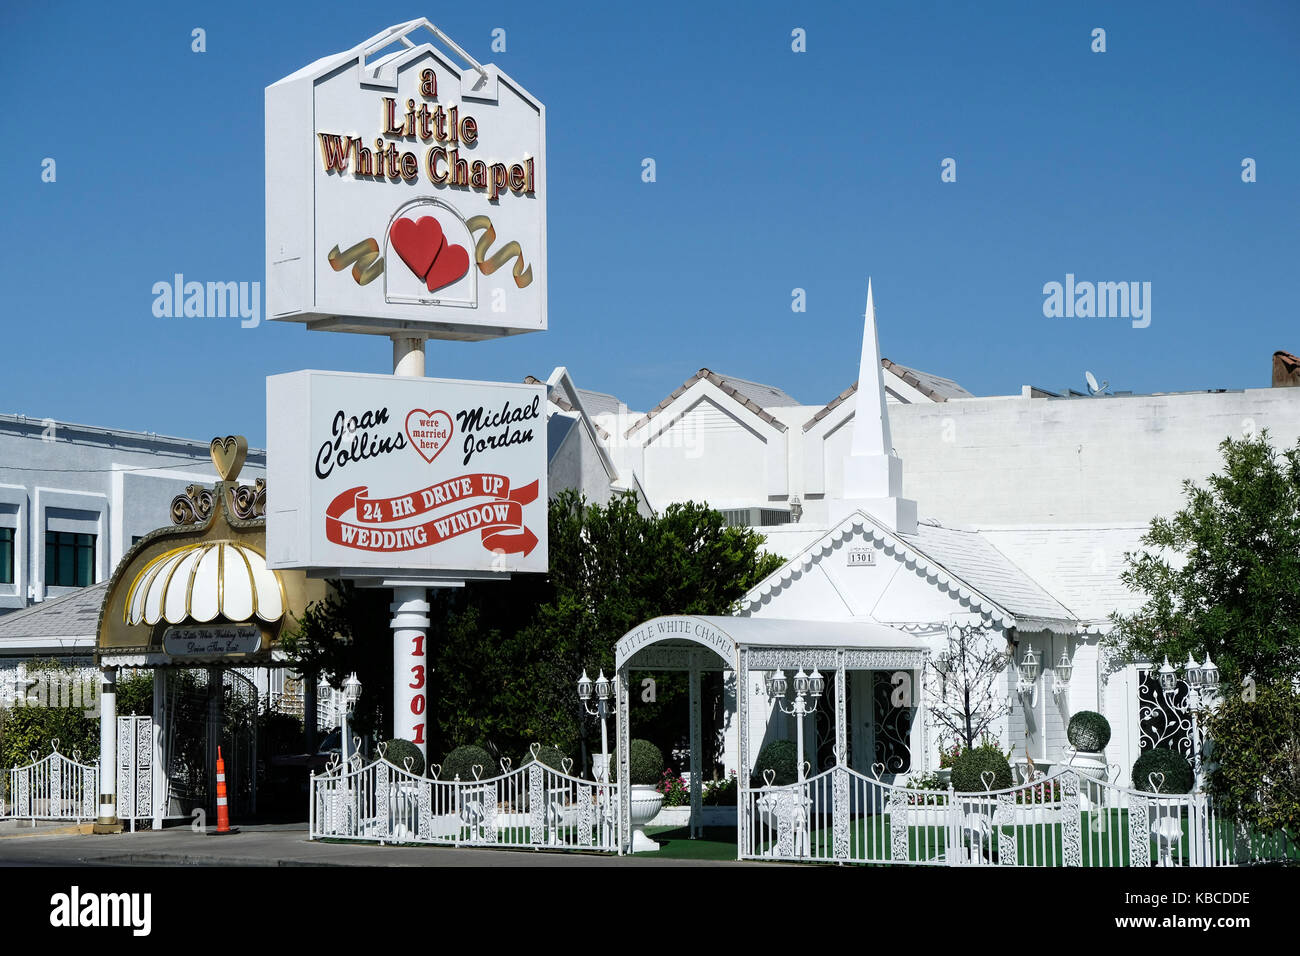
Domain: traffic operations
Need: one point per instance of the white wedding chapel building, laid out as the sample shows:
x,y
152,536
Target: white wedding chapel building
x,y
908,502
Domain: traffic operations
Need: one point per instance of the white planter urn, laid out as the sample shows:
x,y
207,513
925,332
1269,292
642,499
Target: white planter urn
x,y
646,802
1087,763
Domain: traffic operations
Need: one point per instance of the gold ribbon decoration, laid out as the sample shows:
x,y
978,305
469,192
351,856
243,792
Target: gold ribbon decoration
x,y
523,275
367,264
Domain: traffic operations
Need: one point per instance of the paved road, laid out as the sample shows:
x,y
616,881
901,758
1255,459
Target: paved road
x,y
271,845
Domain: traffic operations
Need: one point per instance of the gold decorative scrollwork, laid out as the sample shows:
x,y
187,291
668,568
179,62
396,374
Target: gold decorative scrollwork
x,y
192,507
249,501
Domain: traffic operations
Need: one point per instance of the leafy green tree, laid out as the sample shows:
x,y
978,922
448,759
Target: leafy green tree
x,y
1223,574
1256,758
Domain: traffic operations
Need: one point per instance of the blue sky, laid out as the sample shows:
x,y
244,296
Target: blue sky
x,y
776,170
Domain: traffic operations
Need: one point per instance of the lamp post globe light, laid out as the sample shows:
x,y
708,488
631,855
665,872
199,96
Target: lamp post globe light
x,y
805,686
604,691
351,694
1202,694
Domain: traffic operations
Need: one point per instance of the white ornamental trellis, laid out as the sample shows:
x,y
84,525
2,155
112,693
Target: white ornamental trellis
x,y
135,767
54,787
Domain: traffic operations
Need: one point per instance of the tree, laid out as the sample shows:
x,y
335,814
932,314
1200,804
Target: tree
x,y
1256,758
1222,576
963,686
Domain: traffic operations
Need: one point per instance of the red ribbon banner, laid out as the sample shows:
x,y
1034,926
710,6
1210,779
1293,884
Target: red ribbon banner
x,y
500,519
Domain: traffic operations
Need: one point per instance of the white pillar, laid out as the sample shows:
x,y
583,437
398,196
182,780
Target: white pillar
x,y
410,609
108,821
410,625
697,764
160,793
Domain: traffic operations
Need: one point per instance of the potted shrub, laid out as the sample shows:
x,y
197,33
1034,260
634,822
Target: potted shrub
x,y
1088,733
645,768
398,751
779,756
1163,771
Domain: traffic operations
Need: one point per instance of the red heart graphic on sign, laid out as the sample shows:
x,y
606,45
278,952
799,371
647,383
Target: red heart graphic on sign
x,y
451,264
418,243
430,432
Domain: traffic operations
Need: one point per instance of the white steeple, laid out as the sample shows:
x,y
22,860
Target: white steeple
x,y
873,474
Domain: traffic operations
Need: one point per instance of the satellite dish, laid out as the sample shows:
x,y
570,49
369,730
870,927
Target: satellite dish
x,y
1093,387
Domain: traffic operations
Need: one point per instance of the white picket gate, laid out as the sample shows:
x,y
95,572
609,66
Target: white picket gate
x,y
54,787
533,806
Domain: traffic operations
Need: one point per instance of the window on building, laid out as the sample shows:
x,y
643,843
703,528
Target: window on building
x,y
69,559
6,555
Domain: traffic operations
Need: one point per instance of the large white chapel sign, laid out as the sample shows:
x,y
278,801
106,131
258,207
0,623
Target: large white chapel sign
x,y
406,191
382,473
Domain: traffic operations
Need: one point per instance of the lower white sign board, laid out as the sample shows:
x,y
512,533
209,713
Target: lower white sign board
x,y
380,473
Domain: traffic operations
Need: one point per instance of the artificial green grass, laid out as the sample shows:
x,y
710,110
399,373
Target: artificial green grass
x,y
675,843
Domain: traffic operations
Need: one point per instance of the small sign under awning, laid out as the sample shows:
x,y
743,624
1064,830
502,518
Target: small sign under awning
x,y
212,640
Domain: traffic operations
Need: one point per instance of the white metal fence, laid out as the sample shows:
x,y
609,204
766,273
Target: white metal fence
x,y
533,806
842,816
54,787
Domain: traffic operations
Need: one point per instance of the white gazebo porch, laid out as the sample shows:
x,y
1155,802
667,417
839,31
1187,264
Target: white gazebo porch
x,y
744,645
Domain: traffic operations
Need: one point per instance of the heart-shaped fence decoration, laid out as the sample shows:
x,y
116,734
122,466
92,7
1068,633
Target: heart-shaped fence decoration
x,y
807,767
54,745
76,756
1156,780
332,763
408,763
768,776
535,750
356,744
566,764
477,770
436,770
505,764
878,769
357,762
32,753
381,748
988,778
1112,772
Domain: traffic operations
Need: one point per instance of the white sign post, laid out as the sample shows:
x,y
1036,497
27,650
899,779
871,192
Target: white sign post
x,y
406,196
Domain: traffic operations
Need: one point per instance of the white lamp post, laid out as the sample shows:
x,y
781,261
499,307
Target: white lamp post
x,y
604,689
1202,693
1064,668
351,692
805,686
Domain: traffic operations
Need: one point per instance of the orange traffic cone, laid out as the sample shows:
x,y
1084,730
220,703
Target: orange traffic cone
x,y
223,811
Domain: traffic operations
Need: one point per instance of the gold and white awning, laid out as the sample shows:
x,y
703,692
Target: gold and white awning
x,y
203,581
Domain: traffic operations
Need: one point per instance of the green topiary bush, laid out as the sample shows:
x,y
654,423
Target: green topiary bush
x,y
397,750
1089,732
645,763
548,755
1179,777
460,762
971,765
781,757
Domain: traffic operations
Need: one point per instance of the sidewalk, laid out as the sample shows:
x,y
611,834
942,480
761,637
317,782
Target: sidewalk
x,y
273,845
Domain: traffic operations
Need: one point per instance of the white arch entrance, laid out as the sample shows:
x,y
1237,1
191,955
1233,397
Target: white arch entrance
x,y
695,644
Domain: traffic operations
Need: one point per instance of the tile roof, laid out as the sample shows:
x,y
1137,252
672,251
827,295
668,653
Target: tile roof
x,y
728,386
72,615
977,561
1080,565
933,387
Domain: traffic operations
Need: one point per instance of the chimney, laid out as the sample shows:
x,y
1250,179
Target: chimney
x,y
1286,370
